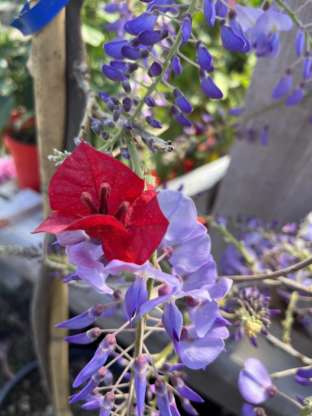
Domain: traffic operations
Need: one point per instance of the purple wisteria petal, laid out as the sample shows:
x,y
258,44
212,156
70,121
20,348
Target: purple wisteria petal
x,y
307,68
85,337
181,119
248,410
254,382
140,383
94,402
79,321
187,392
210,12
202,278
135,296
98,360
172,320
182,216
114,47
204,58
210,88
68,238
305,372
233,38
116,267
162,398
142,23
183,104
153,122
300,42
112,73
130,52
176,65
221,288
204,316
199,352
191,255
153,303
150,37
295,98
173,406
188,407
154,70
221,9
247,16
186,28
273,21
84,392
283,87
87,256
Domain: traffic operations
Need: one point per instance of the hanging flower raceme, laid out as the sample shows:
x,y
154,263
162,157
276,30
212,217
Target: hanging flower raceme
x,y
93,192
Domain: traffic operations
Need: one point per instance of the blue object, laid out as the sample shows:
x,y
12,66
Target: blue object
x,y
32,19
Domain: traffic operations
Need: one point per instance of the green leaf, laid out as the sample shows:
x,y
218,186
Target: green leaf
x,y
6,106
92,36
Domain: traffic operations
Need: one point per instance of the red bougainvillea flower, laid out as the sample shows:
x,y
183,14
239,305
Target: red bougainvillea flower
x,y
94,192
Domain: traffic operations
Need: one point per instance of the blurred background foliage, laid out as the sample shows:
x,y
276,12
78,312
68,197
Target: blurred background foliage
x,y
212,134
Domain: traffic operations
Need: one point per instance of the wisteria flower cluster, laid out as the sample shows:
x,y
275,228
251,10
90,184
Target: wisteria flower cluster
x,y
115,231
151,50
144,250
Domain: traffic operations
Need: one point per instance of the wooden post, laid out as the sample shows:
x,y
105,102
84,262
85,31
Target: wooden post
x,y
51,298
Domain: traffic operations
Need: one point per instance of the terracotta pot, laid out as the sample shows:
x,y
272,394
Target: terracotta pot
x,y
26,162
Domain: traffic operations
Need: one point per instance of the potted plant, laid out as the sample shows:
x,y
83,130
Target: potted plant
x,y
17,123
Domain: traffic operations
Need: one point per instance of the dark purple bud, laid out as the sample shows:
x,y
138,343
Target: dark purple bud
x,y
264,135
104,96
149,101
204,58
210,12
300,42
114,48
136,295
131,52
186,28
233,38
124,152
150,37
307,68
84,338
142,23
153,122
236,111
173,321
221,9
96,125
180,118
154,70
283,87
183,104
116,115
140,382
126,86
305,372
144,53
303,380
127,104
119,65
176,65
295,98
104,135
112,73
210,88
132,67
